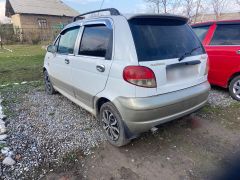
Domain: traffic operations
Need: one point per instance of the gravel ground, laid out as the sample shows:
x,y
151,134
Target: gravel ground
x,y
220,98
47,129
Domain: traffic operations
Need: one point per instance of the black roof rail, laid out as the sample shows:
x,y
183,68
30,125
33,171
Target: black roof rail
x,y
113,12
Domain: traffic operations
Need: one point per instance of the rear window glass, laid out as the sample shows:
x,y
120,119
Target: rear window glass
x,y
158,39
227,34
201,32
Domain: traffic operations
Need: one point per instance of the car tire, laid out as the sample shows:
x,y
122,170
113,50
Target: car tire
x,y
48,85
234,88
112,125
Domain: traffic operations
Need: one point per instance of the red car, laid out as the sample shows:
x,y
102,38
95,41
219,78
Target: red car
x,y
221,40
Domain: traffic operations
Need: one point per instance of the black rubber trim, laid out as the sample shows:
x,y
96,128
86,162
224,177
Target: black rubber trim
x,y
161,16
189,63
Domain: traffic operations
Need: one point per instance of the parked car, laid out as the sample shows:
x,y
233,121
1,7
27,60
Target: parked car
x,y
132,72
221,40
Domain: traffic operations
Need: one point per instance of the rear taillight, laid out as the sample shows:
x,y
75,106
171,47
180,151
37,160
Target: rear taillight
x,y
140,76
207,68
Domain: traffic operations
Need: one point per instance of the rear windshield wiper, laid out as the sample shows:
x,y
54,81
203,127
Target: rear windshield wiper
x,y
188,53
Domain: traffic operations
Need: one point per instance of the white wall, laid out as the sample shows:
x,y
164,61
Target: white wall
x,y
3,19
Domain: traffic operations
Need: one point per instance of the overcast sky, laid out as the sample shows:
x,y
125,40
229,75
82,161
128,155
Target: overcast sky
x,y
2,11
125,6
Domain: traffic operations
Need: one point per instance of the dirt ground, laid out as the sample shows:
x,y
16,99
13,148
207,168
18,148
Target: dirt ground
x,y
195,147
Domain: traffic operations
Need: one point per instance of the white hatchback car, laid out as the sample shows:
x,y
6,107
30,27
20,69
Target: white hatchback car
x,y
132,72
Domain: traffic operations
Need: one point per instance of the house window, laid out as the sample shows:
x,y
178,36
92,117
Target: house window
x,y
42,23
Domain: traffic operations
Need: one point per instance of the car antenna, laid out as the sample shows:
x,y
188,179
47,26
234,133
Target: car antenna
x,y
102,4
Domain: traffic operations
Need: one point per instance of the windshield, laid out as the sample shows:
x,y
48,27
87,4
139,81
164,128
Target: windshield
x,y
159,39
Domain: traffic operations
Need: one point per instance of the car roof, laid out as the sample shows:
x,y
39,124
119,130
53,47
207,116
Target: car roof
x,y
114,14
129,17
207,23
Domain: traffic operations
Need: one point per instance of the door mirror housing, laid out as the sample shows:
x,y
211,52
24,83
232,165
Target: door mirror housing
x,y
52,49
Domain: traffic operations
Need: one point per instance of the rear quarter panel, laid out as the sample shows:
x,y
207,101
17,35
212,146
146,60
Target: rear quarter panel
x,y
124,54
224,62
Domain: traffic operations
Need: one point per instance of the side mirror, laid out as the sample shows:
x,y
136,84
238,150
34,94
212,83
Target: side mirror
x,y
52,49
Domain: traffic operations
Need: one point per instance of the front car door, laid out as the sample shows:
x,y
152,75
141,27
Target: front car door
x,y
92,63
59,64
224,54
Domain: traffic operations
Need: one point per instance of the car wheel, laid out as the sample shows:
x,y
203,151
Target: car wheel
x,y
48,85
234,88
112,125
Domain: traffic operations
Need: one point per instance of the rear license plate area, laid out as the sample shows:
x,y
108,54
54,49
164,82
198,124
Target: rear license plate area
x,y
181,72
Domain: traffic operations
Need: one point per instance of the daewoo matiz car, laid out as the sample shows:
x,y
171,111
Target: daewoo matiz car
x,y
132,72
222,43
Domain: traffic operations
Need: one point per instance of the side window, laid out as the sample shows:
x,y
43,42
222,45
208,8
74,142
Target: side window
x,y
67,41
227,34
201,32
96,41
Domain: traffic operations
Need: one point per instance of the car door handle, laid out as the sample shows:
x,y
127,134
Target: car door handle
x,y
67,61
238,52
100,68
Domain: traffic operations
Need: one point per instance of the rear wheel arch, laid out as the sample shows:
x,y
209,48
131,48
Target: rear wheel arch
x,y
234,87
48,84
99,104
232,77
118,124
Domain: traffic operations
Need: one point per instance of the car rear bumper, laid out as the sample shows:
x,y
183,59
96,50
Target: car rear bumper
x,y
141,114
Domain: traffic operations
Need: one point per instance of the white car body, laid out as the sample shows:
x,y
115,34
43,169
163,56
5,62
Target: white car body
x,y
76,77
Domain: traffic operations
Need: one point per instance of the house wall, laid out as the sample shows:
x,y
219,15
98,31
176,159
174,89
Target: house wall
x,y
28,26
31,21
212,17
16,20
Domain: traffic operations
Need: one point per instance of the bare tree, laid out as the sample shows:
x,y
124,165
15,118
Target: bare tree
x,y
189,8
155,3
218,6
163,5
198,6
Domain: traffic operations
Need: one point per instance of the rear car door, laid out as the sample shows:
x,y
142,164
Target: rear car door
x,y
92,63
59,64
224,53
160,42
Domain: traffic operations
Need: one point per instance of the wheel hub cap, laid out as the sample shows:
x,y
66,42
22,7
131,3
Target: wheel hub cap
x,y
110,125
236,89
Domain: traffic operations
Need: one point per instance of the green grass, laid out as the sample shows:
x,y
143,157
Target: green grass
x,y
209,109
23,64
2,146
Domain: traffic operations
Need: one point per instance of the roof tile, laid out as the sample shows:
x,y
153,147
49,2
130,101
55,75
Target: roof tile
x,y
44,7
